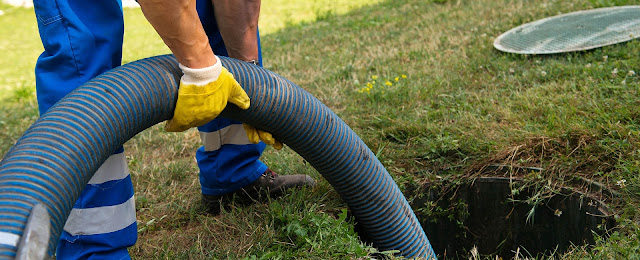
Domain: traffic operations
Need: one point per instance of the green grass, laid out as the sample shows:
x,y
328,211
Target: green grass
x,y
462,106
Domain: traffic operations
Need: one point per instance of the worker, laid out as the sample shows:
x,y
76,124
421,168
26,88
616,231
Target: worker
x,y
83,39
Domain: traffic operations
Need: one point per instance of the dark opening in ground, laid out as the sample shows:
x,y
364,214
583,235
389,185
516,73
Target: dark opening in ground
x,y
500,217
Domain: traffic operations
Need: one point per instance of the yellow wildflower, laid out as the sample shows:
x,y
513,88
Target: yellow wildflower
x,y
397,78
388,83
404,76
374,77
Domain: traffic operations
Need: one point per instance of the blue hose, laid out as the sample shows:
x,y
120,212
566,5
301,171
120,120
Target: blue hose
x,y
60,152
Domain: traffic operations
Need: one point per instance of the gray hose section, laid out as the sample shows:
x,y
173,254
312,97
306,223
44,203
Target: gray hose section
x,y
60,152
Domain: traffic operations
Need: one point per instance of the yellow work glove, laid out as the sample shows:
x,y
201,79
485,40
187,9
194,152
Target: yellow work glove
x,y
203,94
256,136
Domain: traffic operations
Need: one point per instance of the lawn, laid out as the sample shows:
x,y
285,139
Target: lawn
x,y
421,84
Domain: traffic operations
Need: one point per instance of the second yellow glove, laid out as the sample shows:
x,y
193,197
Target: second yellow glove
x,y
256,136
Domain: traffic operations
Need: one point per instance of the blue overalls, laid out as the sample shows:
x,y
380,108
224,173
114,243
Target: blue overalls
x,y
83,39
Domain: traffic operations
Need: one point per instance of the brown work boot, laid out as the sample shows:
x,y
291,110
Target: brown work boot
x,y
270,183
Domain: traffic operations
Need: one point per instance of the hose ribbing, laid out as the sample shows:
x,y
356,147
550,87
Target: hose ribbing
x,y
60,152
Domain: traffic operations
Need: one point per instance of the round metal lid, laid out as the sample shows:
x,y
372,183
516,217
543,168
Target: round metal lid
x,y
576,31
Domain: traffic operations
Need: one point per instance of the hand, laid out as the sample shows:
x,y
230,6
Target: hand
x,y
256,136
203,94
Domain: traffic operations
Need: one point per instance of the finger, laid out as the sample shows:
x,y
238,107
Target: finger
x,y
239,97
277,145
252,133
179,122
266,137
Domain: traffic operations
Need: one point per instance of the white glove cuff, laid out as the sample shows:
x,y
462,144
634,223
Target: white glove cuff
x,y
203,76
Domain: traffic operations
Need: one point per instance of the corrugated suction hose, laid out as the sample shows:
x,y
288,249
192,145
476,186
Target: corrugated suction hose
x,y
60,152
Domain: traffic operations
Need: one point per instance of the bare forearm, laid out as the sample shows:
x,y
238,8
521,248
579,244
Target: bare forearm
x,y
238,24
177,23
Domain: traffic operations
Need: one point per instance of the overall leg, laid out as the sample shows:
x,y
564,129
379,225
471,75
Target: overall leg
x,y
228,161
83,39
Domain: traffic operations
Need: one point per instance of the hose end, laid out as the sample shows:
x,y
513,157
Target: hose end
x,y
35,239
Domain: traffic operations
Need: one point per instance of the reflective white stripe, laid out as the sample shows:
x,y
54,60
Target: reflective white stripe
x,y
9,239
114,168
101,220
233,134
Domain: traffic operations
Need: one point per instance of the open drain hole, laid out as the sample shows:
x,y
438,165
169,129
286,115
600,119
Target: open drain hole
x,y
498,218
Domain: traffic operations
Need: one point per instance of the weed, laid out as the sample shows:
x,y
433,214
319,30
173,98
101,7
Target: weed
x,y
386,90
309,232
